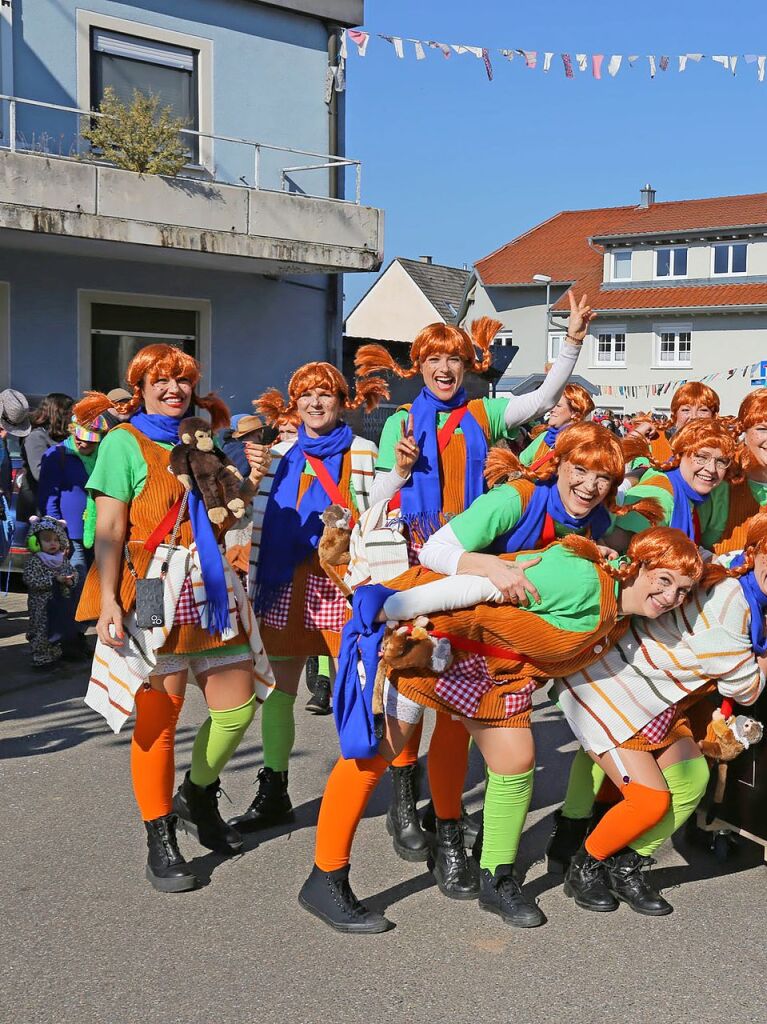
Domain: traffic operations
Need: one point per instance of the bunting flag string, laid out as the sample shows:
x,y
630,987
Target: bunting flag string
x,y
660,388
534,60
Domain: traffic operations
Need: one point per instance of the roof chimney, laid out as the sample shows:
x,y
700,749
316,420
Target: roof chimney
x,y
426,259
648,197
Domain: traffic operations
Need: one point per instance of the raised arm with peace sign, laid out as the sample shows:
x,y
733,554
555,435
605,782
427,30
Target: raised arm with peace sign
x,y
581,315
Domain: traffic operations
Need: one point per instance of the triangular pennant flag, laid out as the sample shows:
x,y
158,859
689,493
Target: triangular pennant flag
x,y
723,60
760,62
508,54
360,40
419,50
531,57
633,59
396,42
443,47
583,61
488,65
615,64
342,52
651,59
663,63
749,58
682,62
568,63
547,60
733,63
596,65
340,81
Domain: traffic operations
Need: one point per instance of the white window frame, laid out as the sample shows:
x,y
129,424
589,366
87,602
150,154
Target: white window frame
x,y
86,299
728,273
550,353
672,276
677,329
622,252
87,20
504,339
611,329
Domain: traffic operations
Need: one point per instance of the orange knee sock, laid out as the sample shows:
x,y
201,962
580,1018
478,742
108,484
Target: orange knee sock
x,y
640,809
447,764
347,792
151,751
409,753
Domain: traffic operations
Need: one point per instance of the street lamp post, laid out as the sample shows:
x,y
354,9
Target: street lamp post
x,y
545,279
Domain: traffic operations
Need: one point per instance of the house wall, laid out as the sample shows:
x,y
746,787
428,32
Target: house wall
x,y
719,342
260,329
258,53
395,309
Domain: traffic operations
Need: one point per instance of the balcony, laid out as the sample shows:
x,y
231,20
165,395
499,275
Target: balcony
x,y
271,225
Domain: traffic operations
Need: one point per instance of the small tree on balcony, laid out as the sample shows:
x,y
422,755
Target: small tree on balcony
x,y
142,137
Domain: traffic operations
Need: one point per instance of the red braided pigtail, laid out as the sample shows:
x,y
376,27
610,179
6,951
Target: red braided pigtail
x,y
482,333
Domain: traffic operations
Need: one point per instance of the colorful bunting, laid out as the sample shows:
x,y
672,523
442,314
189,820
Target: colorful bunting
x,y
666,387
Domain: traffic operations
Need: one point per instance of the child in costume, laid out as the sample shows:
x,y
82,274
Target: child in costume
x,y
430,467
148,527
631,711
502,655
573,407
50,578
302,611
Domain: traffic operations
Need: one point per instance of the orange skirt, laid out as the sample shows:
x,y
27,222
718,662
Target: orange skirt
x,y
689,721
307,616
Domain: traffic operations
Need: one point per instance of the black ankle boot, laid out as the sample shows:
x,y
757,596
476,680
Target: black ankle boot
x,y
328,895
565,841
471,827
319,703
629,883
456,874
500,893
197,810
166,869
402,822
271,804
586,881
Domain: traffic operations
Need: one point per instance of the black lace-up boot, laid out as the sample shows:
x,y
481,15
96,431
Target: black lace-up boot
x,y
271,804
197,810
628,881
166,869
501,894
456,874
566,839
320,701
469,824
402,821
586,881
328,895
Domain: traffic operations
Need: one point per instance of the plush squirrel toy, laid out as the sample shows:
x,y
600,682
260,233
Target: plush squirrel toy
x,y
196,460
404,647
727,736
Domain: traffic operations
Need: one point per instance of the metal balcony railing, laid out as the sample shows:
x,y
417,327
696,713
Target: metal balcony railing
x,y
30,135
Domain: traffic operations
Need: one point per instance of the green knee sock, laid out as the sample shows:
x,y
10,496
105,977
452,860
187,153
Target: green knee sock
x,y
278,730
586,777
687,781
217,740
507,799
323,666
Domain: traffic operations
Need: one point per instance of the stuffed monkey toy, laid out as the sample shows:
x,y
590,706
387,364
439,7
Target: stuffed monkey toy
x,y
196,460
727,736
404,647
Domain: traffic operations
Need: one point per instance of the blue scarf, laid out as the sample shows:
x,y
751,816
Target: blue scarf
x,y
546,500
292,529
165,430
551,435
422,494
681,517
757,602
353,702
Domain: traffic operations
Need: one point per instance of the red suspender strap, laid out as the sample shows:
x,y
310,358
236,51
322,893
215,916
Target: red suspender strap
x,y
462,643
696,524
444,434
542,460
160,532
327,481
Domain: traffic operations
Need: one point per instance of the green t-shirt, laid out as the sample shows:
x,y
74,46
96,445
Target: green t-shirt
x,y
528,455
120,470
495,409
574,607
490,516
712,512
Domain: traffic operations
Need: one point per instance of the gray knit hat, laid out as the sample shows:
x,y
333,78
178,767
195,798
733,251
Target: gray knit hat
x,y
14,413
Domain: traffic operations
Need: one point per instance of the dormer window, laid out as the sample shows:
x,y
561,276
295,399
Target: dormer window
x,y
730,258
622,265
671,262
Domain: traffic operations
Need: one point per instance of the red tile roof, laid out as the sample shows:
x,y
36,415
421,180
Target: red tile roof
x,y
559,248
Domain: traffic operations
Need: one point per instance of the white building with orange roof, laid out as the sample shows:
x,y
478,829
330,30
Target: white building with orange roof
x,y
680,289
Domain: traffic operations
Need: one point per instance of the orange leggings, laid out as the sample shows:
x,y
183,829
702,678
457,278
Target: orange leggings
x,y
447,762
151,751
348,790
640,809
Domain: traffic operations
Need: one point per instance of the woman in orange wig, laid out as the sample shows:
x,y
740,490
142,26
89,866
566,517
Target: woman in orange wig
x,y
573,407
198,618
748,497
501,654
691,401
430,467
302,611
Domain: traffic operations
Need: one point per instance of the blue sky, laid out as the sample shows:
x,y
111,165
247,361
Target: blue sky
x,y
461,165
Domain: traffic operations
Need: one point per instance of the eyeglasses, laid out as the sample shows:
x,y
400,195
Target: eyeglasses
x,y
700,461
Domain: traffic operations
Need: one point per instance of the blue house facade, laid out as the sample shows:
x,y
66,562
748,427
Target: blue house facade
x,y
239,257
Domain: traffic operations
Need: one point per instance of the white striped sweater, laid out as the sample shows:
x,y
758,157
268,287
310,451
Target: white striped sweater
x,y
659,662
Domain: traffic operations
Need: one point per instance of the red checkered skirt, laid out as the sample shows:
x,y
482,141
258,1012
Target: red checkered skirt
x,y
307,616
187,612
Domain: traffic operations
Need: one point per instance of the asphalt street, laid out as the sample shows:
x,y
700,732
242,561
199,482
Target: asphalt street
x,y
87,940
